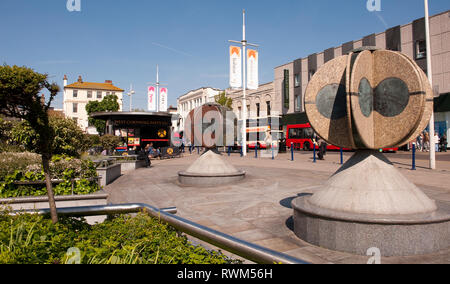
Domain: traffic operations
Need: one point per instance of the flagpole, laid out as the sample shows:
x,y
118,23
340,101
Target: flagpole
x,y
430,78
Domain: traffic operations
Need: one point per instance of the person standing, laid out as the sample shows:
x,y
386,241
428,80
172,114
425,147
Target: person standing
x,y
444,143
426,142
436,141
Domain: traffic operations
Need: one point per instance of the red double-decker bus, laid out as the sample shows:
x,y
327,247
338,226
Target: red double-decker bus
x,y
301,137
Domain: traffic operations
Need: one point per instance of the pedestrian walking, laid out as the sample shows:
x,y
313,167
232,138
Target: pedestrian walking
x,y
419,142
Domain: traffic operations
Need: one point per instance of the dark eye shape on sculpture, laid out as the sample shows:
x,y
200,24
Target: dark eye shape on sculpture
x,y
389,98
331,101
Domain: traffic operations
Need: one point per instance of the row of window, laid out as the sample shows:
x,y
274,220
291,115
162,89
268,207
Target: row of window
x,y
90,94
258,110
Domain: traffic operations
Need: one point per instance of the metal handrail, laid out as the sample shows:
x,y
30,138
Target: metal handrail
x,y
247,250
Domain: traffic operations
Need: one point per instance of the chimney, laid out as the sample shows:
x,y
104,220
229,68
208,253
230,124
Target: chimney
x,y
65,80
80,80
108,82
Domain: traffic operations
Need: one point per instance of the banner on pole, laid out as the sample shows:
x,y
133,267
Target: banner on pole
x,y
151,98
235,67
252,69
163,100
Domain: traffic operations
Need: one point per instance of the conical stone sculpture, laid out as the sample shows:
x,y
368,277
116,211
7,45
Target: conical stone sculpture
x,y
368,100
206,126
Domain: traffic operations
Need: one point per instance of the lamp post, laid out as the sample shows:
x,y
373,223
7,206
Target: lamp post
x,y
244,44
430,78
130,94
157,85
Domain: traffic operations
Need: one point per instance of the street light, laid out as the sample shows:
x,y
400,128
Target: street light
x,y
430,78
130,94
244,44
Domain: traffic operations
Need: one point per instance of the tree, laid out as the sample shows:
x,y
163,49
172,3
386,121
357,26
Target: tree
x,y
109,103
223,100
110,142
68,137
19,97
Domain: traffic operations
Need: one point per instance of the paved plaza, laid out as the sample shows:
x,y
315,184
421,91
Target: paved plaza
x,y
258,209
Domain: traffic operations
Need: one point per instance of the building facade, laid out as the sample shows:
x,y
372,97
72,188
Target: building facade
x,y
260,103
79,94
193,99
291,79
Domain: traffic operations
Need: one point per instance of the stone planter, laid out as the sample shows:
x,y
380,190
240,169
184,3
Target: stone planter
x,y
132,165
109,174
41,202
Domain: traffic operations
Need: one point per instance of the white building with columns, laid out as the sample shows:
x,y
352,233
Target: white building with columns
x,y
79,94
193,99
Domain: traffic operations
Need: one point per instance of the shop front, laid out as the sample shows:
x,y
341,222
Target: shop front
x,y
138,129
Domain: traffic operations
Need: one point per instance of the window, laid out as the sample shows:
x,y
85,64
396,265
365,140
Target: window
x,y
113,93
75,93
108,93
99,94
75,119
421,49
258,107
89,94
268,108
297,80
298,103
75,108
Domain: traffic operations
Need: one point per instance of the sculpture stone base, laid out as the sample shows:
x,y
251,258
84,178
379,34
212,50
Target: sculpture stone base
x,y
210,170
368,203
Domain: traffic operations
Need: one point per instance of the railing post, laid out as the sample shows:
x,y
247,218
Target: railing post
x,y
314,153
413,157
229,151
342,156
292,151
256,151
273,154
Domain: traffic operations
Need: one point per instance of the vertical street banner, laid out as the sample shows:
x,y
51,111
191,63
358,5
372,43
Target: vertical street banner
x,y
151,98
163,100
252,69
235,67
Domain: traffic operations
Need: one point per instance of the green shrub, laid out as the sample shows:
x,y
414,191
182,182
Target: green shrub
x,y
32,239
25,167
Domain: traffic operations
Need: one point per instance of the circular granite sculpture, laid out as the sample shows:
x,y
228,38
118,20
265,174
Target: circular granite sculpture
x,y
206,126
368,100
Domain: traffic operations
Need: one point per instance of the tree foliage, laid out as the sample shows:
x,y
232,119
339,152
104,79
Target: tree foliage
x,y
223,100
68,138
109,103
20,89
109,142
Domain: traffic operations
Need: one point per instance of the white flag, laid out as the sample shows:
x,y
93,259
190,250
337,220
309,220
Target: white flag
x,y
235,67
163,100
151,99
252,69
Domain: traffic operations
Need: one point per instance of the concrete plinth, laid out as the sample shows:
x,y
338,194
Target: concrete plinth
x,y
368,203
209,170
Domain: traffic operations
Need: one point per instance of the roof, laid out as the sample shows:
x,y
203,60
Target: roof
x,y
93,86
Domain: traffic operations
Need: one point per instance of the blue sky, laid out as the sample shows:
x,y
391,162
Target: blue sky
x,y
123,40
